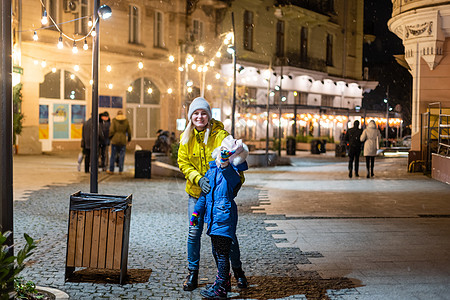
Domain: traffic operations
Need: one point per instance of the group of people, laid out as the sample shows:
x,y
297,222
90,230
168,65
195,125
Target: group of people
x,y
355,137
115,133
213,163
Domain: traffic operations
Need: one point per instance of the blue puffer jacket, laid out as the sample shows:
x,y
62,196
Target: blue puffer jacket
x,y
218,206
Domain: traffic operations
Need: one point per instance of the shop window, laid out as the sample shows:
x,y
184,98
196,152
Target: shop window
x,y
51,87
143,111
73,87
327,100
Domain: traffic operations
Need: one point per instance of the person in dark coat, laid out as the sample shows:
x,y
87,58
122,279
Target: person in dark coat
x,y
354,148
86,133
105,123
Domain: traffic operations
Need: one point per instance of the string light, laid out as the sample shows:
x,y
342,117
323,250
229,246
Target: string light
x,y
201,48
108,68
209,87
91,82
110,86
189,59
53,70
205,68
141,65
74,48
171,58
35,36
85,46
76,68
35,62
130,89
44,20
60,42
200,69
43,63
90,22
189,83
93,33
189,89
181,69
194,66
72,76
211,63
218,54
150,90
169,91
217,76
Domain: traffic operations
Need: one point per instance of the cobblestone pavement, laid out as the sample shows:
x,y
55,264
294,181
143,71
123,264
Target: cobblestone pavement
x,y
284,257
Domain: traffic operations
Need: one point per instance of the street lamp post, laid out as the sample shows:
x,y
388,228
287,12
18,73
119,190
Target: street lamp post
x,y
6,161
103,12
234,54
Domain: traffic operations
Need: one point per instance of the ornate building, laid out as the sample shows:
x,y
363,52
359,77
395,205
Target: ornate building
x,y
423,26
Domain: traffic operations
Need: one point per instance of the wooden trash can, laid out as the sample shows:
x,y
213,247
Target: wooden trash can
x,y
98,233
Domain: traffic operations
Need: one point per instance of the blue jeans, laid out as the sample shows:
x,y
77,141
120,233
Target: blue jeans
x,y
114,150
194,238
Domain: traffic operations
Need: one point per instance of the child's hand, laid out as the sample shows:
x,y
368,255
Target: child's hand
x,y
225,155
194,219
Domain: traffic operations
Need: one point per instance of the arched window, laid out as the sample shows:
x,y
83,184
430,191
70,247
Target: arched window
x,y
62,107
143,108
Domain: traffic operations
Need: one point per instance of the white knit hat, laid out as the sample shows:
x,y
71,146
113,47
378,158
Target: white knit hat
x,y
199,103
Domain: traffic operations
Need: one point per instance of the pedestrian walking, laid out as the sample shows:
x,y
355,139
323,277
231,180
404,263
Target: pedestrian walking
x,y
352,137
104,125
370,136
119,133
201,136
86,134
220,211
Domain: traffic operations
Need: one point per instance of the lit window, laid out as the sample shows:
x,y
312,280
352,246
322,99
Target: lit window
x,y
134,24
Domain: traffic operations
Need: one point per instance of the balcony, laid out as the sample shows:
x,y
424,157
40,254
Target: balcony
x,y
316,64
401,6
324,7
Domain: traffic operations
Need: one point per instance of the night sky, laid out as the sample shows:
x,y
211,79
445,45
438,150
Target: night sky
x,y
378,57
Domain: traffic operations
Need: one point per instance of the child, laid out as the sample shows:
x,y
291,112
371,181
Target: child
x,y
220,210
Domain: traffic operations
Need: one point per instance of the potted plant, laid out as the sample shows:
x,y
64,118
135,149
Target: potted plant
x,y
10,265
17,114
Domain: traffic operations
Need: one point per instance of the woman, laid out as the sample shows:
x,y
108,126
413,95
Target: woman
x,y
370,137
201,136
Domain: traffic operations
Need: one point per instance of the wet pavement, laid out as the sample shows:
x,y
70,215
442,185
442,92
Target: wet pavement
x,y
306,231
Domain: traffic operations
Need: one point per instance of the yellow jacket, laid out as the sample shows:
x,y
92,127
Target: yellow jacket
x,y
194,156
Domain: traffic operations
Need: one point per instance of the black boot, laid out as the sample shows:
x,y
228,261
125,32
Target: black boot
x,y
240,278
191,281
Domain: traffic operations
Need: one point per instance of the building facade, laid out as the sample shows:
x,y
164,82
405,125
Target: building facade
x,y
303,60
423,26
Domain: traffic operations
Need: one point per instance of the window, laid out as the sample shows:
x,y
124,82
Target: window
x,y
51,88
158,34
52,11
303,44
280,38
248,30
300,98
143,108
133,34
81,22
197,31
329,58
327,100
279,95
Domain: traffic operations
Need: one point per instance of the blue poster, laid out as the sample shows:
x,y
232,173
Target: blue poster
x,y
116,102
60,121
78,118
104,101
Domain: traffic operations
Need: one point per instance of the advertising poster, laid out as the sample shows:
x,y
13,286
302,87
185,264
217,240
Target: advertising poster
x,y
78,118
43,122
60,121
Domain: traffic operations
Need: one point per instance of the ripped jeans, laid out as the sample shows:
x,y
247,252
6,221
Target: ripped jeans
x,y
194,238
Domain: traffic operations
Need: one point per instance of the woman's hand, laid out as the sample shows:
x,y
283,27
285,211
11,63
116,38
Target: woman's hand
x,y
204,185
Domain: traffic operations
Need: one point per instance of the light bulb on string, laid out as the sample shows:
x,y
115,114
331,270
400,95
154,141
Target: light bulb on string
x,y
85,45
93,33
90,22
108,68
141,65
171,58
60,42
181,69
35,36
74,48
194,66
212,63
201,48
44,20
217,76
209,87
218,54
189,90
76,68
43,63
53,70
169,91
150,90
130,89
110,86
